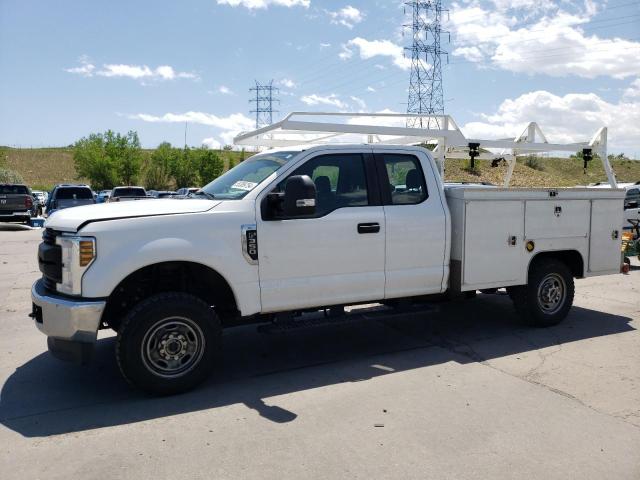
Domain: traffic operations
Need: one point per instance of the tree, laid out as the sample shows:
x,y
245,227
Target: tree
x,y
93,162
130,157
108,159
184,169
158,171
210,165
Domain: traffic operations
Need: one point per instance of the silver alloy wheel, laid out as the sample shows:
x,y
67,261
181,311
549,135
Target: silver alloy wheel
x,y
172,347
552,293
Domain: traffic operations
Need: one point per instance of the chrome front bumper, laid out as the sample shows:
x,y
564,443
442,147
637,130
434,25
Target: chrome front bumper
x,y
71,325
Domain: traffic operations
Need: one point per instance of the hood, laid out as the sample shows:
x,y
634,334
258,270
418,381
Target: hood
x,y
72,219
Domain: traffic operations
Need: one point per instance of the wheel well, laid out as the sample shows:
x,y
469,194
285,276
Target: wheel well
x,y
571,258
194,278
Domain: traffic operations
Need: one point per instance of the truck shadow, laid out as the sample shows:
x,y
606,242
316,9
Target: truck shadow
x,y
45,397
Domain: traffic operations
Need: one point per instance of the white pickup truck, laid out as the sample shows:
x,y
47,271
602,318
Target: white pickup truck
x,y
306,229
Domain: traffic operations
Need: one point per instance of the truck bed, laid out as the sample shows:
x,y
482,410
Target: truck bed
x,y
491,229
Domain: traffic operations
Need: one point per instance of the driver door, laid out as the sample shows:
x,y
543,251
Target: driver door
x,y
335,257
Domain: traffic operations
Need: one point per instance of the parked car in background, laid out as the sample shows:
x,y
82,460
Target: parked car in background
x,y
103,196
163,194
67,196
632,197
185,192
42,196
124,194
16,203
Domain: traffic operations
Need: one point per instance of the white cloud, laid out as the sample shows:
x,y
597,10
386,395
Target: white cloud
x,y
230,125
287,82
325,45
331,100
257,4
373,48
564,119
211,142
347,16
223,89
359,102
533,37
85,69
236,121
136,72
371,89
349,104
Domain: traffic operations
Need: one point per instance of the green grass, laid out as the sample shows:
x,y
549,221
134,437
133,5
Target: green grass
x,y
42,168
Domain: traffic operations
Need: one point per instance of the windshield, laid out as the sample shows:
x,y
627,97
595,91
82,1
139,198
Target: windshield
x,y
246,176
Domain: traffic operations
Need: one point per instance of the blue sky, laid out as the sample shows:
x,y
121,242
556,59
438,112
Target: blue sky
x,y
69,68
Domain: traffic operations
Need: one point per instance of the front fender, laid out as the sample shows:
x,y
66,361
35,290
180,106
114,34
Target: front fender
x,y
127,245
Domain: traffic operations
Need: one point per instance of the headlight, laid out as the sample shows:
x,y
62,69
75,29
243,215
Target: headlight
x,y
78,253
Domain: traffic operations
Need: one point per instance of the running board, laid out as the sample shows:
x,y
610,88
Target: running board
x,y
318,319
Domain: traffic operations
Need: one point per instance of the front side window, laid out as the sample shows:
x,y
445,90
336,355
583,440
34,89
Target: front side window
x,y
340,181
240,180
406,180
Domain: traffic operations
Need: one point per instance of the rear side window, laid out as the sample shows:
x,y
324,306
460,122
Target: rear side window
x,y
406,180
13,190
74,194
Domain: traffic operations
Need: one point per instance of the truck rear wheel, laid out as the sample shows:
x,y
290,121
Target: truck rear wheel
x,y
548,296
168,343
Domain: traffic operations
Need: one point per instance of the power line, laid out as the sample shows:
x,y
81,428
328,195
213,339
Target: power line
x,y
264,100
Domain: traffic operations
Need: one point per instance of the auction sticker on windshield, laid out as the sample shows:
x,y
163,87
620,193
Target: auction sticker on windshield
x,y
242,185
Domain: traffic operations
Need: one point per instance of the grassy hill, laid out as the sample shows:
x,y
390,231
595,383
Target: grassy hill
x,y
549,172
44,167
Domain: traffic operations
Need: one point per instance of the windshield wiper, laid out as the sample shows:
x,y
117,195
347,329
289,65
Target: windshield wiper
x,y
210,196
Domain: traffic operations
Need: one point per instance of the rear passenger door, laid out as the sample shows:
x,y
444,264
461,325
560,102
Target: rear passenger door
x,y
337,255
416,225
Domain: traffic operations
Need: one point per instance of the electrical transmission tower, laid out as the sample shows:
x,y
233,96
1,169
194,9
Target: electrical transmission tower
x,y
264,100
425,84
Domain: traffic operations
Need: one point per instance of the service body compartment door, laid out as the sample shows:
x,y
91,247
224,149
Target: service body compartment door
x,y
493,251
604,245
557,219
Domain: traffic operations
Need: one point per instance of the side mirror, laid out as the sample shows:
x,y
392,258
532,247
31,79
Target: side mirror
x,y
299,196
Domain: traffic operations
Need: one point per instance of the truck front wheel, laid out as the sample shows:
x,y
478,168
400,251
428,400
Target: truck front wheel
x,y
548,296
168,343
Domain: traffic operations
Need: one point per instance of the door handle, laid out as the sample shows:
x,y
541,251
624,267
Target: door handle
x,y
368,227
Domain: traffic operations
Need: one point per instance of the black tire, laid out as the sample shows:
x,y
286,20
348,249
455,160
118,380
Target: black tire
x,y
547,298
168,343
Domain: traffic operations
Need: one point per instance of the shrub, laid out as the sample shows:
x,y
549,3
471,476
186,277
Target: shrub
x,y
534,162
10,176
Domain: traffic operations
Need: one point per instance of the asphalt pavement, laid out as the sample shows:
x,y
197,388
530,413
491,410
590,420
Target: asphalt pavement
x,y
461,391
